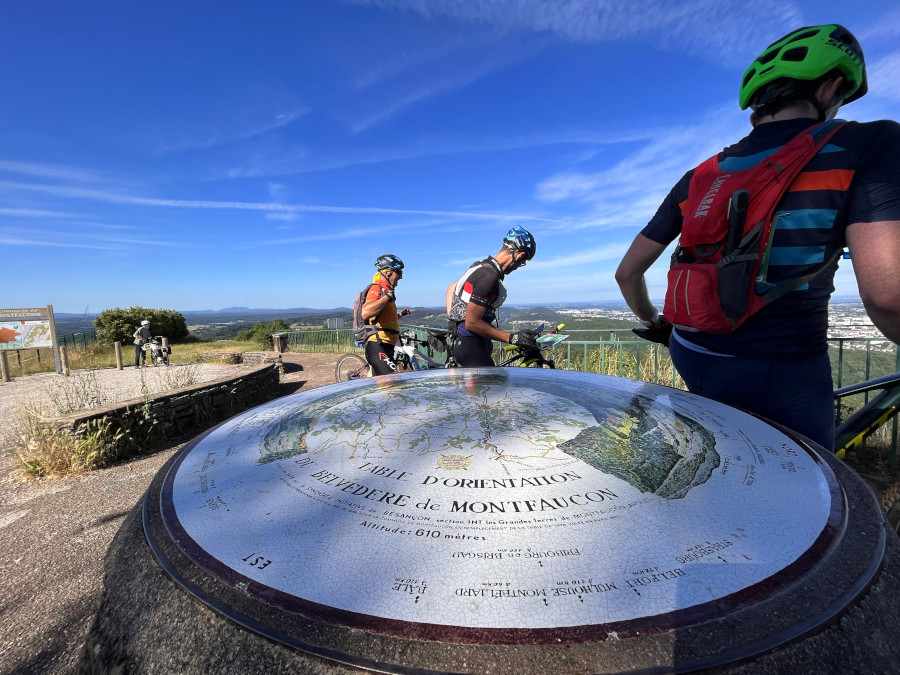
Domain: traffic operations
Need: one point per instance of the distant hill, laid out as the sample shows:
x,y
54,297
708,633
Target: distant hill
x,y
259,311
225,323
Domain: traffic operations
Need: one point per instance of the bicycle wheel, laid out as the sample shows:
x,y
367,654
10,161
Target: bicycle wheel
x,y
350,367
165,358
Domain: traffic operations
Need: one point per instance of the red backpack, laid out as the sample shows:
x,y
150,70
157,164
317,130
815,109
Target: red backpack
x,y
726,236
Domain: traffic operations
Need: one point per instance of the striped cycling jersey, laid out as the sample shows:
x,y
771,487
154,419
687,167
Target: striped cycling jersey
x,y
805,216
852,179
481,284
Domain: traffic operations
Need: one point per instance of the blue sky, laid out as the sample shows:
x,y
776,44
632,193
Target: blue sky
x,y
199,155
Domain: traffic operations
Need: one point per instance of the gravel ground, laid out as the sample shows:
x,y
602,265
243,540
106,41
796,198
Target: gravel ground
x,y
52,394
54,534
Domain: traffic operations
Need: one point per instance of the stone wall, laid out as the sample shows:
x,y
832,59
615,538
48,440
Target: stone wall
x,y
145,424
256,358
247,358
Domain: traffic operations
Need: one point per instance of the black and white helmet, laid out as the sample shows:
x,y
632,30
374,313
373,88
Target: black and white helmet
x,y
389,262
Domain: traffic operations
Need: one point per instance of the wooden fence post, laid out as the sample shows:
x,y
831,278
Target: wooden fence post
x,y
64,359
4,366
118,347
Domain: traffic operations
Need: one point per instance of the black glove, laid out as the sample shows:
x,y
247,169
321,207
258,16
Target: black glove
x,y
661,333
524,339
387,293
406,311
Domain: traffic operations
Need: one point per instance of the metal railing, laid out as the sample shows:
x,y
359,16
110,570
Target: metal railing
x,y
617,352
337,341
82,339
854,359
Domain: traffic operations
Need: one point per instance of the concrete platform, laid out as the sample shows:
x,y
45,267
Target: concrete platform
x,y
169,608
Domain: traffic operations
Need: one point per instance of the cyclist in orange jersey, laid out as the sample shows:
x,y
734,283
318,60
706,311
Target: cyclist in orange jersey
x,y
380,309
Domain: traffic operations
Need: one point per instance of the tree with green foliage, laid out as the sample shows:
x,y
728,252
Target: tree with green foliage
x,y
118,325
261,333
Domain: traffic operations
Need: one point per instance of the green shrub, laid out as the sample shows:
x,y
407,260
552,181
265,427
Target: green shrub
x,y
119,325
261,333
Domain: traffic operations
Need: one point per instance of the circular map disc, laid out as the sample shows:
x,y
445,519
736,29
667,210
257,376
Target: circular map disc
x,y
502,506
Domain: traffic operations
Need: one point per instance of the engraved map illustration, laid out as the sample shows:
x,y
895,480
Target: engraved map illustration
x,y
495,499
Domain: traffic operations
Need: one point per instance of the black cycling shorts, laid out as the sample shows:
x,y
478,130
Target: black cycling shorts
x,y
474,351
381,357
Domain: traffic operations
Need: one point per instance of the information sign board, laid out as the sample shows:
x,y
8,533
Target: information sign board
x,y
28,328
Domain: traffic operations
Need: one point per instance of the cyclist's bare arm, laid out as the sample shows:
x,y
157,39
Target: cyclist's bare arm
x,y
450,289
875,252
476,324
372,308
642,253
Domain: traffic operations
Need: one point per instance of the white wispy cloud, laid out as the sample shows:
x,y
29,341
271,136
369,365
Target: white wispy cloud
x,y
363,233
884,77
600,254
712,29
234,131
82,239
884,31
628,192
296,160
37,213
104,226
663,156
433,86
119,198
282,215
14,240
411,98
277,191
54,171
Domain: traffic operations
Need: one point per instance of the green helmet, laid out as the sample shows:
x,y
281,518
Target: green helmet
x,y
806,54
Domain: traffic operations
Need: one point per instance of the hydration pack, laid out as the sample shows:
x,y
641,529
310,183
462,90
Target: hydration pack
x,y
717,279
463,293
362,330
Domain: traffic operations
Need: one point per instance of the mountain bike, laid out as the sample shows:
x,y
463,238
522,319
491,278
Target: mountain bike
x,y
406,355
542,357
155,352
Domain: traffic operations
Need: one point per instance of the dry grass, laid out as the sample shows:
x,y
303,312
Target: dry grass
x,y
654,365
103,356
46,451
41,450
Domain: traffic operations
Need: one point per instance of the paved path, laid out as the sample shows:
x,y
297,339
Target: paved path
x,y
54,536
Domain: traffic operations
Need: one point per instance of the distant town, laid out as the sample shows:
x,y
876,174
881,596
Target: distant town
x,y
845,319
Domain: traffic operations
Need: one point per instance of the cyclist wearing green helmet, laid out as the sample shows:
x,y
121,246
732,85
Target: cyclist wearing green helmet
x,y
776,364
794,67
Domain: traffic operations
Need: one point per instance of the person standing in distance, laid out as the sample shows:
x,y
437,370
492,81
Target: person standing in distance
x,y
141,337
473,301
380,309
776,364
